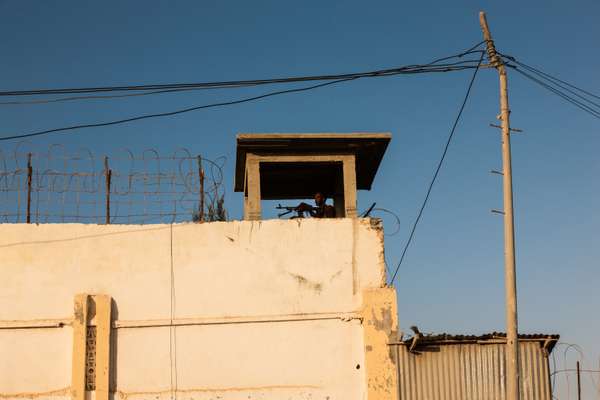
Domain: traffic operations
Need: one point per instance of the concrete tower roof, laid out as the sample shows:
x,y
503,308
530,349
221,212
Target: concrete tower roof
x,y
299,179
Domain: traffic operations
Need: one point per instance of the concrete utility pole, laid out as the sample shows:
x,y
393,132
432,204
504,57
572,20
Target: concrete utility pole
x,y
512,341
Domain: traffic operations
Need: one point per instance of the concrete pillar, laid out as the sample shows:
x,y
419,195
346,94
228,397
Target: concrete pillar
x,y
349,166
80,319
103,328
92,322
252,201
246,207
380,327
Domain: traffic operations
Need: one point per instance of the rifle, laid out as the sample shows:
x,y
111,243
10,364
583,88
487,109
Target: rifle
x,y
300,212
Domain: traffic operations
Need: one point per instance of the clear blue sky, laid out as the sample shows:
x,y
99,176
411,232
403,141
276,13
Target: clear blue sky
x,y
452,278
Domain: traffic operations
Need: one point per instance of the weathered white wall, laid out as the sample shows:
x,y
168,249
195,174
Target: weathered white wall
x,y
267,309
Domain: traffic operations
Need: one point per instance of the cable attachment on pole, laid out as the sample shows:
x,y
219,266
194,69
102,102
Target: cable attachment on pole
x,y
511,129
490,47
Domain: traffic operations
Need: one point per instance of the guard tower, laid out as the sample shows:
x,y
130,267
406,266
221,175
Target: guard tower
x,y
296,166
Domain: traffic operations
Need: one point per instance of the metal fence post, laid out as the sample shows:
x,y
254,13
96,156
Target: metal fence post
x,y
29,179
578,382
79,187
201,177
108,176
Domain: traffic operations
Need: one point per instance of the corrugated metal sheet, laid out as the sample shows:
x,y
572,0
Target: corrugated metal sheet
x,y
469,371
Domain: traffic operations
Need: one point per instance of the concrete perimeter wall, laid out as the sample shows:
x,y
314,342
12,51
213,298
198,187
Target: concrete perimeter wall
x,y
278,309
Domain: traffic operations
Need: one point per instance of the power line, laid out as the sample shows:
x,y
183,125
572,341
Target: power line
x,y
511,58
590,110
557,86
437,170
465,64
101,97
170,113
564,87
403,70
245,83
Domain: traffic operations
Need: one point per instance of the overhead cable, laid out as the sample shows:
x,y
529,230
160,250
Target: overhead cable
x,y
170,113
246,83
511,58
437,170
432,67
413,69
96,97
589,109
577,96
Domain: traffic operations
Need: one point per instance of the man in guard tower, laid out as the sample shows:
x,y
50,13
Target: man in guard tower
x,y
322,210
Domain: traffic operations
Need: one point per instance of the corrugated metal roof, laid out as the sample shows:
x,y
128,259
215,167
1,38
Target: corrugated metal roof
x,y
486,336
547,341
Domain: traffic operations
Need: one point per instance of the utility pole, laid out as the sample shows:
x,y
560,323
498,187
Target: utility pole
x,y
512,340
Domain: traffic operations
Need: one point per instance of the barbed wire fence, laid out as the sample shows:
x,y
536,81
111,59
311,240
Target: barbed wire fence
x,y
572,374
53,185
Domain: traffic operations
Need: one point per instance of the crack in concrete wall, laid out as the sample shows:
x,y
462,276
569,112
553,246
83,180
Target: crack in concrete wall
x,y
123,395
34,395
